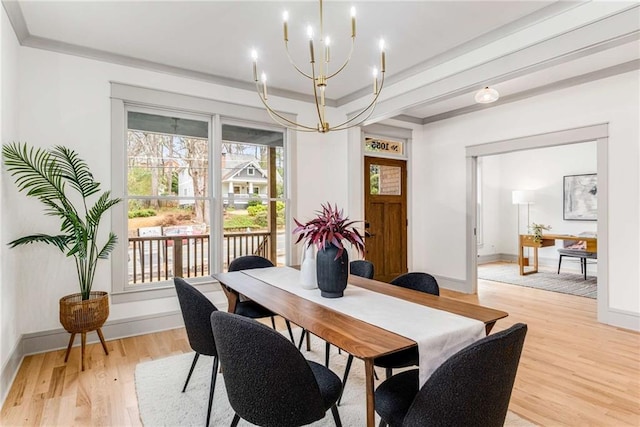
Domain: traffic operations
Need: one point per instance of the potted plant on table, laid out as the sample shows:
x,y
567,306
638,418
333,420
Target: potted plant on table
x,y
49,175
537,229
328,231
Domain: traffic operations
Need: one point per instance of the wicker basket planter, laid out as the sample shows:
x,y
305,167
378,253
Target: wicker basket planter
x,y
78,316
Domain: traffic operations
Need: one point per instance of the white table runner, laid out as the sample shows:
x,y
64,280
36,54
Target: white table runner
x,y
439,334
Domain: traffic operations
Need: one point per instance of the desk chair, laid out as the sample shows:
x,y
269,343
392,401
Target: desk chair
x,y
576,249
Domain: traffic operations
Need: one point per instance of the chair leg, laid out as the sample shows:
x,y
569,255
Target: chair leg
x,y
308,342
273,323
389,372
382,424
193,365
293,340
336,416
304,332
559,263
235,421
345,376
584,262
327,348
214,375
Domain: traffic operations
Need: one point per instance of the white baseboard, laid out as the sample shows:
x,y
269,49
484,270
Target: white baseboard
x,y
622,319
55,339
457,285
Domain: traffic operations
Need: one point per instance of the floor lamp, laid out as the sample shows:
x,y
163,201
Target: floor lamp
x,y
522,197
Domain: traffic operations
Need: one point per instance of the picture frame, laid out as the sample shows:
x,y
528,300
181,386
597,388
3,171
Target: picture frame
x,y
580,197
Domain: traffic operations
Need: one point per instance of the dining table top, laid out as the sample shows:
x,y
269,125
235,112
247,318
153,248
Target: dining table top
x,y
357,337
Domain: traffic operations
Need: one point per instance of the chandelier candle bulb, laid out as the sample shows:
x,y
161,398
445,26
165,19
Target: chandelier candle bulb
x,y
375,81
254,55
264,85
353,22
285,18
327,54
382,58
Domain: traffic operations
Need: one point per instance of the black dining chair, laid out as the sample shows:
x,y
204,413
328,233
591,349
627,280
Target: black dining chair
x,y
196,312
268,381
246,307
471,388
417,281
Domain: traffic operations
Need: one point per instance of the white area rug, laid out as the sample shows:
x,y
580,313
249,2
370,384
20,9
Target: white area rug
x,y
161,402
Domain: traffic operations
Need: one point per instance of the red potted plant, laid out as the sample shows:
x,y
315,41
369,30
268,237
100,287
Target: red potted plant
x,y
328,231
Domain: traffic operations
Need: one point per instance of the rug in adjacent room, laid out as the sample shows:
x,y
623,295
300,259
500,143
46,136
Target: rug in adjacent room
x,y
548,280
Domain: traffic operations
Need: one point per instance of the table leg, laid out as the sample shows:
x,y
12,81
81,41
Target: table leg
x,y
368,369
521,256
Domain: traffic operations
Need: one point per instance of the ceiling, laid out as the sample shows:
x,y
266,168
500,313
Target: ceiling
x,y
212,40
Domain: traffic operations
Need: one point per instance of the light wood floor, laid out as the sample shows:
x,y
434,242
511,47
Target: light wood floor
x,y
574,371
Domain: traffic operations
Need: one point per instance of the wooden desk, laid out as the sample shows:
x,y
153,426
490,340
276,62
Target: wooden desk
x,y
526,240
361,339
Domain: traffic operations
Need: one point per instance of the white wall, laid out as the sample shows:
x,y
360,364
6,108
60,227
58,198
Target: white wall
x,y
540,171
441,203
65,100
9,290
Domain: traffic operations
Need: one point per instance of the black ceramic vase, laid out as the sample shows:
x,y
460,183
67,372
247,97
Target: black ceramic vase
x,y
332,273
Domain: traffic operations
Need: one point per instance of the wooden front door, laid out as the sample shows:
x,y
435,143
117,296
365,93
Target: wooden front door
x,y
386,216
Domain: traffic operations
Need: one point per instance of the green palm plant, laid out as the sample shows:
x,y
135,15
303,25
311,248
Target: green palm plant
x,y
47,174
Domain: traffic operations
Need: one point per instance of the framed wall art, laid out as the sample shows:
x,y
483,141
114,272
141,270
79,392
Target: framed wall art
x,y
580,197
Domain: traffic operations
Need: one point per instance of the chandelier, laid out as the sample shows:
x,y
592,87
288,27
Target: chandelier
x,y
319,74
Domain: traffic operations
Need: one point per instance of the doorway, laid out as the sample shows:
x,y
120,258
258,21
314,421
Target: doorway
x,y
385,212
598,133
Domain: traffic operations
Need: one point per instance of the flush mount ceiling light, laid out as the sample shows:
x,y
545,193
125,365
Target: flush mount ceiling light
x,y
319,75
487,95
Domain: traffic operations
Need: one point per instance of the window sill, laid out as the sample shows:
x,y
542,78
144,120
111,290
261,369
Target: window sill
x,y
167,290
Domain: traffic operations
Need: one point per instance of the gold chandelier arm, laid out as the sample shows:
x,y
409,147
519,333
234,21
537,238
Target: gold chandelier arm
x,y
369,107
291,125
353,43
281,119
286,48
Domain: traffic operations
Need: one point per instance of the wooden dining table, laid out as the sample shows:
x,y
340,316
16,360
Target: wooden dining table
x,y
361,339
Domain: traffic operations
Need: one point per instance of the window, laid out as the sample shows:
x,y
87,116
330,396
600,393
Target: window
x,y
168,192
254,221
190,206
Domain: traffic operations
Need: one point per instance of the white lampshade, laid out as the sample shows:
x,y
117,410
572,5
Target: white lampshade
x,y
522,197
487,95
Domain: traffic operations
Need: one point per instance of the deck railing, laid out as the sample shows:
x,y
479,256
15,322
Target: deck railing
x,y
158,258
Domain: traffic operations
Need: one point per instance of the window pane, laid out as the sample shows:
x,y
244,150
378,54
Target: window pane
x,y
166,164
385,180
167,241
252,172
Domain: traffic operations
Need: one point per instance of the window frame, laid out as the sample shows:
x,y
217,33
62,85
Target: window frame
x,y
124,97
